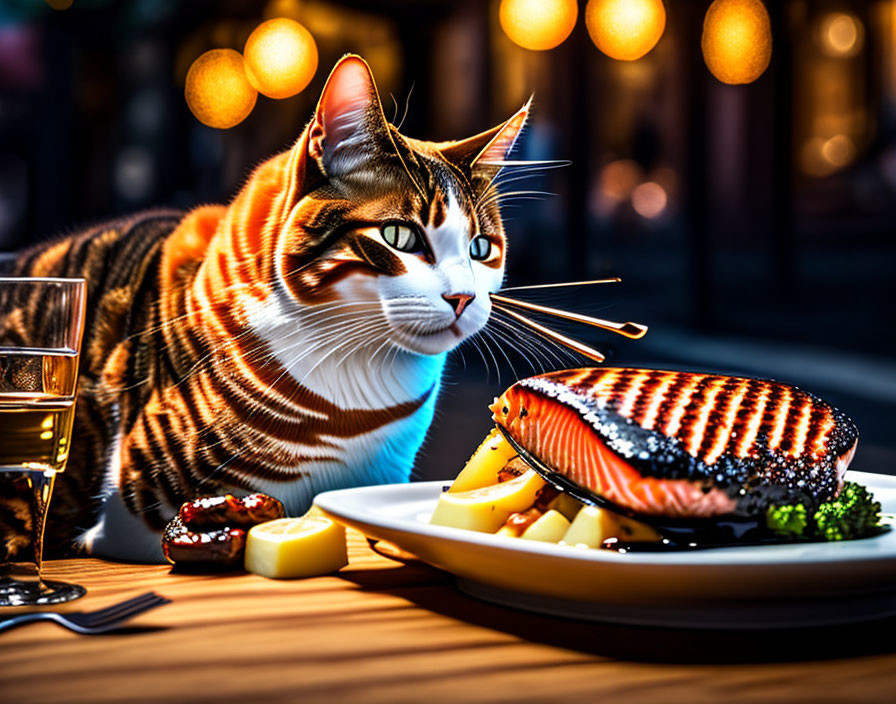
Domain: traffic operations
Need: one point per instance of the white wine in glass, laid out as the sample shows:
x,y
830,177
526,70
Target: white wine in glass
x,y
41,325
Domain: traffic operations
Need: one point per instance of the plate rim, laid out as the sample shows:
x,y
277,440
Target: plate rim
x,y
819,553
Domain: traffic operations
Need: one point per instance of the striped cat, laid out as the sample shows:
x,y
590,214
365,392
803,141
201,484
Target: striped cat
x,y
290,342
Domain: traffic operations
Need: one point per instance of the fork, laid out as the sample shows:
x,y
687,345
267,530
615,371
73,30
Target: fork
x,y
90,622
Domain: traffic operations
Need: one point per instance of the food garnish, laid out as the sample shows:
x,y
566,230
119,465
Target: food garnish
x,y
853,514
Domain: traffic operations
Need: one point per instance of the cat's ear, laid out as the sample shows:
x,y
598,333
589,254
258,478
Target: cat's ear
x,y
348,124
482,156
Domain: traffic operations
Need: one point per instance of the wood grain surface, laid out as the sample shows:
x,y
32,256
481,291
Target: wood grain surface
x,y
380,631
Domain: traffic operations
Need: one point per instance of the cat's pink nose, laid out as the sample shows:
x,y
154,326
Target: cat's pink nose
x,y
459,301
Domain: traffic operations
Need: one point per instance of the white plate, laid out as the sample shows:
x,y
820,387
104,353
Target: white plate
x,y
743,587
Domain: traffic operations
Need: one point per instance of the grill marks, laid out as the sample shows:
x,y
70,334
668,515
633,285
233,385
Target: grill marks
x,y
715,415
681,444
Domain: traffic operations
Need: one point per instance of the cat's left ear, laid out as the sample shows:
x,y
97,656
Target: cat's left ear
x,y
348,124
482,156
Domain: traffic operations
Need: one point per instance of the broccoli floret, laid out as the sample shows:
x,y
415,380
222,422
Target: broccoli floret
x,y
789,521
853,514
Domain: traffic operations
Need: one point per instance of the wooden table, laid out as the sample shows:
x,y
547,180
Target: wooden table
x,y
380,631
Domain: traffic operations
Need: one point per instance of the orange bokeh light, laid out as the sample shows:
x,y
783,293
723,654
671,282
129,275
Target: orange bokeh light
x,y
737,40
619,178
281,57
538,24
841,34
625,29
217,90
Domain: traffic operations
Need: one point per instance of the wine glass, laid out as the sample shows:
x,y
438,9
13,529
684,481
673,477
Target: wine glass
x,y
41,325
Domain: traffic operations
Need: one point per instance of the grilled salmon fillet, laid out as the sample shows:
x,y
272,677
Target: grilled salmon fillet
x,y
679,444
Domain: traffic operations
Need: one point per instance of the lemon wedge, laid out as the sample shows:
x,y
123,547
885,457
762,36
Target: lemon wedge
x,y
488,508
308,546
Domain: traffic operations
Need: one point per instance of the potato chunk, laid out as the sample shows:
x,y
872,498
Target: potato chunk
x,y
550,528
296,547
592,526
483,467
486,509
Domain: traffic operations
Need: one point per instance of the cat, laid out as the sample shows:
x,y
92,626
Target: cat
x,y
290,342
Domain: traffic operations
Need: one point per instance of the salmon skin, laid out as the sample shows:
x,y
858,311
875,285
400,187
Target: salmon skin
x,y
678,445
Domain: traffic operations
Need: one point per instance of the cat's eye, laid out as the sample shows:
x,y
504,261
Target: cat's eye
x,y
480,248
402,237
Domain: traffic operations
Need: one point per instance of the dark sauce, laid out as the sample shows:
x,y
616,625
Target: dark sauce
x,y
667,545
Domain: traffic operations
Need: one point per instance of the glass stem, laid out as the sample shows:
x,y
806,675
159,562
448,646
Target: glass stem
x,y
42,487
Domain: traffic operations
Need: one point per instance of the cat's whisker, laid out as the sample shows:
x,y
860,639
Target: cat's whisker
x,y
525,344
504,198
611,280
198,364
579,347
366,340
342,333
505,201
259,351
523,347
376,353
168,322
484,361
346,337
481,338
633,331
547,351
501,195
407,104
548,346
515,176
488,335
540,163
329,354
553,352
309,349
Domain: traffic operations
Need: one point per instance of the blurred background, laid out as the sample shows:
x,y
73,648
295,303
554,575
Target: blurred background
x,y
752,225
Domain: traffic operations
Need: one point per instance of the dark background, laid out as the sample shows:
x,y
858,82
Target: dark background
x,y
752,225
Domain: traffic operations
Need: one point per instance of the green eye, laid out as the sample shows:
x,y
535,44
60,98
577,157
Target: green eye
x,y
402,237
480,248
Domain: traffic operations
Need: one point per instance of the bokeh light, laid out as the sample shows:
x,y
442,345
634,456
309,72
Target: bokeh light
x,y
649,200
625,29
538,24
218,92
60,4
618,179
822,157
281,57
291,9
839,150
841,34
737,40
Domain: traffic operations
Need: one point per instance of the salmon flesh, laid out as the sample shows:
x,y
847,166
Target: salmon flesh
x,y
676,444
